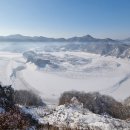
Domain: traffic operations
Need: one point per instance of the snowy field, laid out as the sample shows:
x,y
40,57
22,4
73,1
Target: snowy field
x,y
76,71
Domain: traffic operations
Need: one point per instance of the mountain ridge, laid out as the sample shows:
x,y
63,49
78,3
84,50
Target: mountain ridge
x,y
22,38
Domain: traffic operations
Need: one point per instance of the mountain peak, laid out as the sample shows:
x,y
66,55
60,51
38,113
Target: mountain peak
x,y
15,35
89,36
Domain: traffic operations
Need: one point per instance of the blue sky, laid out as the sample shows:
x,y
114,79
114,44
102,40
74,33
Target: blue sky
x,y
65,18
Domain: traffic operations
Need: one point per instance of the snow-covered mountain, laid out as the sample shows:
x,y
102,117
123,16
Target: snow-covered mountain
x,y
87,43
102,48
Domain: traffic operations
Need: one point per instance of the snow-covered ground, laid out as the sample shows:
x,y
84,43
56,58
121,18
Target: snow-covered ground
x,y
76,117
108,75
74,71
7,64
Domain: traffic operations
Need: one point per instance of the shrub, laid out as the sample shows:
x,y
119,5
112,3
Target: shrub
x,y
27,98
97,103
14,119
6,96
127,101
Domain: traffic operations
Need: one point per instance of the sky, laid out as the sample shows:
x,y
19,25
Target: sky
x,y
66,18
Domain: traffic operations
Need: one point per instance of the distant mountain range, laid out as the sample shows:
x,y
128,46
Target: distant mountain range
x,y
21,38
127,40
